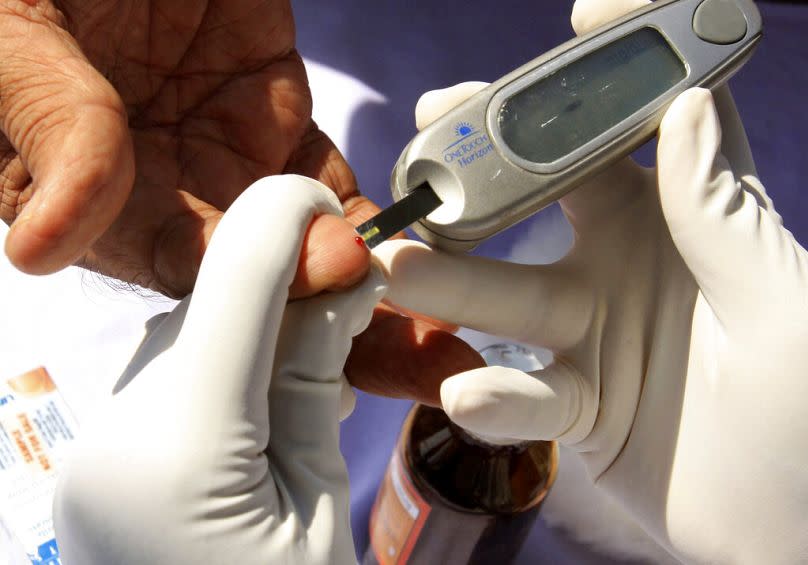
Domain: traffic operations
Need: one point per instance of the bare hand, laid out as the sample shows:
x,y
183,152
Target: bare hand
x,y
130,126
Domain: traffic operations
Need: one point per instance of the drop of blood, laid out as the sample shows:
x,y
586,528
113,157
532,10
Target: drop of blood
x,y
359,241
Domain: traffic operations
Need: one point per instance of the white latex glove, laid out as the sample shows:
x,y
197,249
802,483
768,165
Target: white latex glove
x,y
220,442
679,324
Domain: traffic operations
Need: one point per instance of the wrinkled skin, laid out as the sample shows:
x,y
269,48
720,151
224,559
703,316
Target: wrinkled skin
x,y
165,110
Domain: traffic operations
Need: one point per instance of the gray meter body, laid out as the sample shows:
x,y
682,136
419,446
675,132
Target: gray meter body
x,y
533,135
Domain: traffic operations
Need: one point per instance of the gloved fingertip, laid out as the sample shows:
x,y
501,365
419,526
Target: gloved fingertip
x,y
500,402
690,111
463,405
689,141
488,402
591,14
435,103
389,252
399,261
581,17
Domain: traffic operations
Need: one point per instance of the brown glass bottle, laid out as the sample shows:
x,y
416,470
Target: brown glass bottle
x,y
450,498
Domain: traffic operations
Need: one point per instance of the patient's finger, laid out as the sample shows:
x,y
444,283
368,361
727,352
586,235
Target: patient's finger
x,y
408,358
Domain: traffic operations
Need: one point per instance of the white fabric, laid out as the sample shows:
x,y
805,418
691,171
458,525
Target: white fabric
x,y
220,443
678,322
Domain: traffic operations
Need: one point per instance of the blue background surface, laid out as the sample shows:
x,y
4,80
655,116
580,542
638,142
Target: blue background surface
x,y
402,49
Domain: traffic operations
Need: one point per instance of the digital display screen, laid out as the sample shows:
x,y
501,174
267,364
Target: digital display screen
x,y
561,112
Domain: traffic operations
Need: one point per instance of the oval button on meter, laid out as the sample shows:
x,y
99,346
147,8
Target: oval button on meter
x,y
719,21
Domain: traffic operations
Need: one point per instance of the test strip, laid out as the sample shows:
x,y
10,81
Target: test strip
x,y
415,205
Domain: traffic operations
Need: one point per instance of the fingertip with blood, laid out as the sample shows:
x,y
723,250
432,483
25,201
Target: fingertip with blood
x,y
330,259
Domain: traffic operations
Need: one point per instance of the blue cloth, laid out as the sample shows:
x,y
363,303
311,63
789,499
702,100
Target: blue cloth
x,y
402,49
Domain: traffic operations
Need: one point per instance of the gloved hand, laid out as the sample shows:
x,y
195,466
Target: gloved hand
x,y
220,442
679,323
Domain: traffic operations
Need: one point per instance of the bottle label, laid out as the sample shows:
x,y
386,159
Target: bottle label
x,y
398,516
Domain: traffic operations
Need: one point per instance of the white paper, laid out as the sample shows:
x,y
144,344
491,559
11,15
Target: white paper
x,y
36,428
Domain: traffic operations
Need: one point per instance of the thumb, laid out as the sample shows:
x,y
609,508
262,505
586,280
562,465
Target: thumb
x,y
505,403
308,388
731,240
67,127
